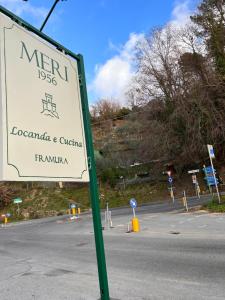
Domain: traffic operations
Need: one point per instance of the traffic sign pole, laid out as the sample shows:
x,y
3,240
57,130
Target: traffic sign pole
x,y
172,193
214,175
94,194
197,189
18,209
185,201
195,181
135,222
170,180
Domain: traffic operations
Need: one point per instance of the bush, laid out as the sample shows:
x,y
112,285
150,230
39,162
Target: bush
x,y
110,176
6,195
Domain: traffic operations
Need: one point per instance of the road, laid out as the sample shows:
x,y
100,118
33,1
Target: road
x,y
166,206
177,255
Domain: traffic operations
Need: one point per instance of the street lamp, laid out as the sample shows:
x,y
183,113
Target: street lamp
x,y
49,14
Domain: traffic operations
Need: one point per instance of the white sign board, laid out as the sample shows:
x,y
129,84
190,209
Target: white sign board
x,y
17,201
193,171
41,132
211,151
194,179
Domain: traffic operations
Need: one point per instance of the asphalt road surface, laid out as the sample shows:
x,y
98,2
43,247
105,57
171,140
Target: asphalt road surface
x,y
177,255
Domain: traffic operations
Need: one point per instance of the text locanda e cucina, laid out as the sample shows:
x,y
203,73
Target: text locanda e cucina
x,y
45,137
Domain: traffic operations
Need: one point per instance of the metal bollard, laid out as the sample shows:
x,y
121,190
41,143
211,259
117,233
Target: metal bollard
x,y
184,198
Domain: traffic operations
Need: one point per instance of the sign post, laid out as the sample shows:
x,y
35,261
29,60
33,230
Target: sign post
x,y
94,193
18,201
133,204
195,181
170,180
184,198
135,222
108,217
212,155
45,117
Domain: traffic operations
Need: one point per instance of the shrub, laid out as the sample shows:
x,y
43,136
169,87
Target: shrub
x,y
6,195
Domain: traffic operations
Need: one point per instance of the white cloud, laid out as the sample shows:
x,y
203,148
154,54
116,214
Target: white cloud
x,y
112,78
181,12
21,8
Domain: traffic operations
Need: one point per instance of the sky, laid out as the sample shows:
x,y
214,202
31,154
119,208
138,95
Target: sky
x,y
105,32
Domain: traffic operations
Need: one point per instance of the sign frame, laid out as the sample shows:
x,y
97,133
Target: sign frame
x,y
41,119
93,187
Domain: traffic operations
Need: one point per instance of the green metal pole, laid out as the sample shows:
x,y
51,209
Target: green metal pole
x,y
99,244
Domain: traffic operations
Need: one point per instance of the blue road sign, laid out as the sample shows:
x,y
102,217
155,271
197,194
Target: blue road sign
x,y
133,203
209,176
211,180
209,170
72,205
211,152
170,179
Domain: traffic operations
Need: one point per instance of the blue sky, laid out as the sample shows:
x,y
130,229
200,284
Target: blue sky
x,y
105,32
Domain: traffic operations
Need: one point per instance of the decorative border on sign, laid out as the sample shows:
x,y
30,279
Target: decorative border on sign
x,y
79,104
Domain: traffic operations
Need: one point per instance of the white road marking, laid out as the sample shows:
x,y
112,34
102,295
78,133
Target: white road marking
x,y
202,226
184,281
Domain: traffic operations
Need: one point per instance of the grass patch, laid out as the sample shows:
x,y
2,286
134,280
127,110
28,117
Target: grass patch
x,y
143,193
44,202
214,206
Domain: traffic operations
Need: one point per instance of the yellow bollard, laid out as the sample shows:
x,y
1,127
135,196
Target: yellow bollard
x,y
6,220
135,225
78,210
74,211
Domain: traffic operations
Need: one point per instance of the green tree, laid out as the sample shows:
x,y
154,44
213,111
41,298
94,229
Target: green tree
x,y
211,26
